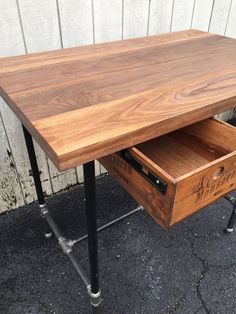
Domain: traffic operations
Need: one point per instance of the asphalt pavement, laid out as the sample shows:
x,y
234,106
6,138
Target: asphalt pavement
x,y
190,268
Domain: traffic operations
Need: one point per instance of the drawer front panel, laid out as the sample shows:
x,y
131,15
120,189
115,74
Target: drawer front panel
x,y
204,187
143,191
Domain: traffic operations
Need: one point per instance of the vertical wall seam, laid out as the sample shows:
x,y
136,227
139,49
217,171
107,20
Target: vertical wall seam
x,y
226,25
49,174
172,13
76,175
59,23
122,22
148,21
93,21
212,9
94,39
21,26
9,144
194,4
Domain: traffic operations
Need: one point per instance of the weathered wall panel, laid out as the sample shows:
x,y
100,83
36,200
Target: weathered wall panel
x,y
11,195
107,20
160,17
202,14
76,20
182,14
136,18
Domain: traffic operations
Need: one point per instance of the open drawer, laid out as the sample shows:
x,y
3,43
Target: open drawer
x,y
174,175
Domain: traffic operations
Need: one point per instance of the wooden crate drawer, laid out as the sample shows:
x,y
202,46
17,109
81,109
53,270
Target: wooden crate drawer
x,y
176,174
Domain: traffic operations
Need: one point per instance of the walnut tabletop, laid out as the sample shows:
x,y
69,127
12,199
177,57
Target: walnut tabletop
x,y
84,103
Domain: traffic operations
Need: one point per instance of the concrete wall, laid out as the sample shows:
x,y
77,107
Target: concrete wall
x,y
36,25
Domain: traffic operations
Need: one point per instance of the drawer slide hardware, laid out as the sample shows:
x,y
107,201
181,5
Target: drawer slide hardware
x,y
148,175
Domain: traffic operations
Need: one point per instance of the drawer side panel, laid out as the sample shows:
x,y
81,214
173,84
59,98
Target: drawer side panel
x,y
158,205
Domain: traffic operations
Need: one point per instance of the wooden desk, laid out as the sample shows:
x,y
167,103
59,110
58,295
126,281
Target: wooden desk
x,y
84,103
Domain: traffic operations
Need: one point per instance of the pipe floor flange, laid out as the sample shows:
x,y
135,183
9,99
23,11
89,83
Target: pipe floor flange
x,y
95,298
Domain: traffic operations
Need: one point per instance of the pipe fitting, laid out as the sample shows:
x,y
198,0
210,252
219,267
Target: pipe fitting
x,y
44,210
229,230
95,298
231,199
65,245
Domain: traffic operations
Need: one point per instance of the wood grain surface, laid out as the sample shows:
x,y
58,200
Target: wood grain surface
x,y
84,103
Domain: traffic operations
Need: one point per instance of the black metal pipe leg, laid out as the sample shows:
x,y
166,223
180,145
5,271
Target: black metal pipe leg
x,y
36,176
232,220
91,215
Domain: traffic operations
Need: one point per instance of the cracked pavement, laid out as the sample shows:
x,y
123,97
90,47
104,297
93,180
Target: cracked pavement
x,y
190,268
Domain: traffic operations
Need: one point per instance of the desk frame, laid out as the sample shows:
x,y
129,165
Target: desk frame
x,y
92,286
